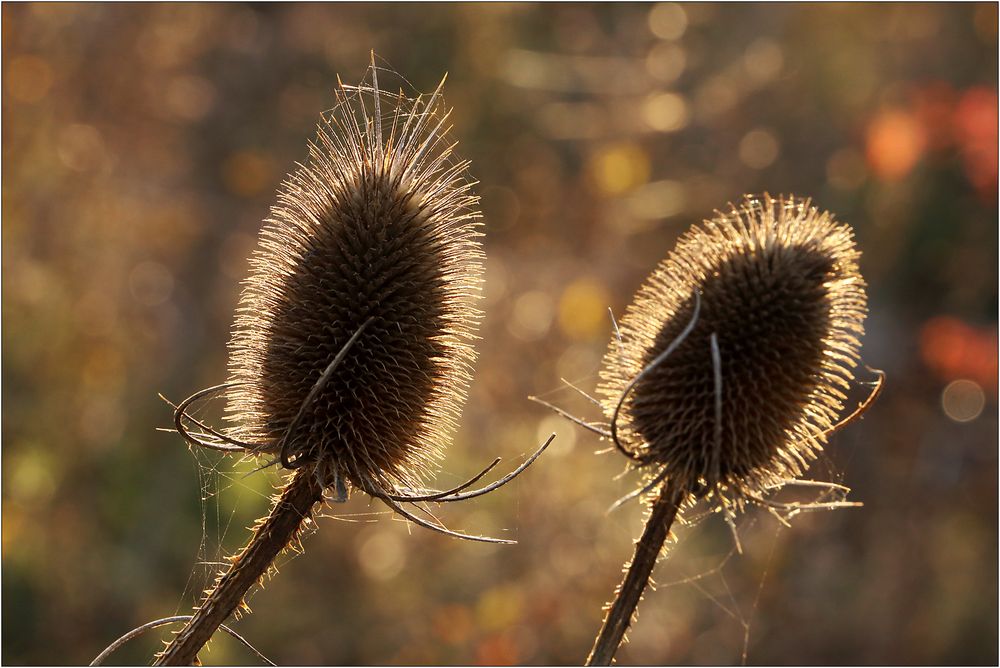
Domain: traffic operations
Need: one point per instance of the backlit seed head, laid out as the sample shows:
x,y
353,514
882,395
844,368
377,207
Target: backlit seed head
x,y
779,287
380,224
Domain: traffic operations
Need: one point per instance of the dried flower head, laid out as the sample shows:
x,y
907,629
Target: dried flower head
x,y
729,372
734,358
352,346
380,227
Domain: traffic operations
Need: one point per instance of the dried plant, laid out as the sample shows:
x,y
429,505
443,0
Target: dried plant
x,y
352,344
729,370
767,299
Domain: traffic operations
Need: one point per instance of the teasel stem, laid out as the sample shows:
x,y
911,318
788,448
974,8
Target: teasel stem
x,y
647,551
271,536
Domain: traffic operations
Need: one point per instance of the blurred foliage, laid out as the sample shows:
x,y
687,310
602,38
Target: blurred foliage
x,y
142,145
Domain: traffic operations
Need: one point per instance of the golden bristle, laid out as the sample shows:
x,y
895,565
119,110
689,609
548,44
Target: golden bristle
x,y
777,284
380,227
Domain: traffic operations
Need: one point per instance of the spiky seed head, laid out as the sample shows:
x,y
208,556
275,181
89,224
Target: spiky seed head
x,y
380,224
780,288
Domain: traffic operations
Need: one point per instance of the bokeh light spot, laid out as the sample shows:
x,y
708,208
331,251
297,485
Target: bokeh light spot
x,y
666,61
665,112
895,141
963,400
758,149
583,309
657,200
381,555
32,479
667,20
531,315
619,168
976,131
565,432
953,350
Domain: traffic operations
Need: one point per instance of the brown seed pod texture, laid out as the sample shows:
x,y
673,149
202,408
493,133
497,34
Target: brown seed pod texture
x,y
379,227
779,287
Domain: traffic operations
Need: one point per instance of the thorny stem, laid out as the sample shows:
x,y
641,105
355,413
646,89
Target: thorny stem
x,y
647,550
270,537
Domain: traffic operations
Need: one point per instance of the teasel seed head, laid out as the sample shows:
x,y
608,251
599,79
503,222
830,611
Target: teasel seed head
x,y
758,376
352,347
377,235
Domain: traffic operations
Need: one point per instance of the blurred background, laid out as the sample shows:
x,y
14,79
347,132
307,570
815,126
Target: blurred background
x,y
142,146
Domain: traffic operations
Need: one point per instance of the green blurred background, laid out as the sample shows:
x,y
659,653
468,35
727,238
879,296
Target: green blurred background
x,y
142,146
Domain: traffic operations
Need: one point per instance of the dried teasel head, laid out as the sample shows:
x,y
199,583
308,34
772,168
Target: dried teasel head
x,y
380,227
352,344
733,361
